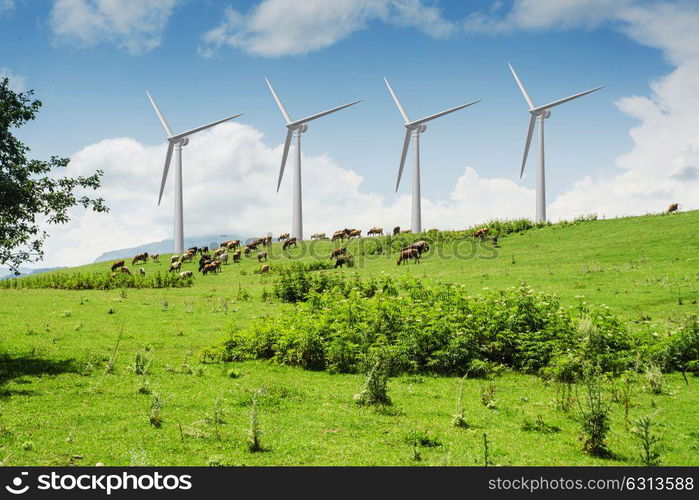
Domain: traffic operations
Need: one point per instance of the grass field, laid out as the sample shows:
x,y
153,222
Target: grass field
x,y
59,405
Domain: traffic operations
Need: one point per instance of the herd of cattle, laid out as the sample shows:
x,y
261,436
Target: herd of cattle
x,y
233,250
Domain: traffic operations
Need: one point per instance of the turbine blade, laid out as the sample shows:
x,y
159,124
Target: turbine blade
x,y
168,157
318,115
175,138
168,131
406,143
287,143
437,115
532,121
395,98
561,101
521,87
279,102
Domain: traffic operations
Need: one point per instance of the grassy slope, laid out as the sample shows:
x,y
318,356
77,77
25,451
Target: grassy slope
x,y
57,409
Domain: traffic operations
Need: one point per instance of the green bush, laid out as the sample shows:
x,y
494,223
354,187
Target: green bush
x,y
98,281
338,323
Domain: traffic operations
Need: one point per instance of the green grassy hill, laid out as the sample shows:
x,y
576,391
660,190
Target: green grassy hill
x,y
57,401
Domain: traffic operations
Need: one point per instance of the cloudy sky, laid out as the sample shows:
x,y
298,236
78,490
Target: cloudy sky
x,y
632,148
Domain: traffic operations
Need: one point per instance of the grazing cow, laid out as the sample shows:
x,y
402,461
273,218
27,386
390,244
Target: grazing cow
x,y
262,256
223,258
283,237
421,246
355,233
338,235
175,266
338,252
396,230
212,267
288,243
408,254
264,269
233,244
141,271
125,270
187,257
268,240
342,260
673,208
248,249
186,274
236,256
203,260
203,249
192,250
375,231
141,257
117,264
219,251
481,233
174,258
155,257
406,231
318,236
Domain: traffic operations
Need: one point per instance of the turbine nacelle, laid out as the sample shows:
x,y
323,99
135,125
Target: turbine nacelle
x,y
417,129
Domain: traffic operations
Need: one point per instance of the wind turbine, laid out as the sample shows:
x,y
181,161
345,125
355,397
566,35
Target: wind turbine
x,y
539,114
294,130
414,128
176,142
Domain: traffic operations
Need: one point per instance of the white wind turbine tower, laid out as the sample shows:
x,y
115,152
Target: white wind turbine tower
x,y
539,114
414,128
176,142
294,130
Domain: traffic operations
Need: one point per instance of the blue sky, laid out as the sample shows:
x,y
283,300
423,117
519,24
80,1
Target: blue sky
x,y
94,89
97,92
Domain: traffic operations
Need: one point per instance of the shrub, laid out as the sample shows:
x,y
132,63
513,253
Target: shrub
x,y
338,322
594,418
375,390
650,456
98,281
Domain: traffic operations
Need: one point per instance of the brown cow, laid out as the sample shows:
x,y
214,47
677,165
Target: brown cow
x,y
355,233
481,233
117,264
187,257
212,267
175,266
141,257
288,243
262,256
338,235
264,269
219,251
406,255
233,244
174,258
673,208
338,252
155,257
236,256
342,260
421,246
406,231
125,270
375,231
283,237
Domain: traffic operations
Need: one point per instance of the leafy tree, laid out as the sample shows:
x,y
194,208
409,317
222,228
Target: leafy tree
x,y
31,194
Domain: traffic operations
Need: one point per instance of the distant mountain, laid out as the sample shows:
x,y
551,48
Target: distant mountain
x,y
164,246
6,274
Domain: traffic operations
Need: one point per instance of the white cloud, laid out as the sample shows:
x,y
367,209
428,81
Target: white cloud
x,y
6,5
133,25
229,177
17,82
275,28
